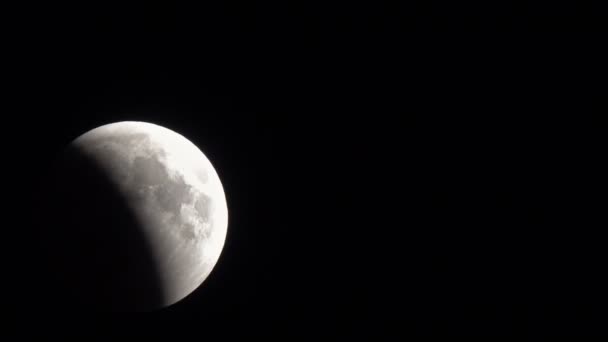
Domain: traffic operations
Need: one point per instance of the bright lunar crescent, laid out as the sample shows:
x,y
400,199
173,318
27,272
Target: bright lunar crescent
x,y
157,221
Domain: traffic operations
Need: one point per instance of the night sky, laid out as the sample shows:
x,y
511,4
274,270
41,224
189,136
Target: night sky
x,y
392,170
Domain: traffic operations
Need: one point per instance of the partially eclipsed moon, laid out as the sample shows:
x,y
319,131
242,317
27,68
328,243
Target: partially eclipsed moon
x,y
173,209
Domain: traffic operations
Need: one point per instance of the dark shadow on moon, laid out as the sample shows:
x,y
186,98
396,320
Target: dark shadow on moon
x,y
96,254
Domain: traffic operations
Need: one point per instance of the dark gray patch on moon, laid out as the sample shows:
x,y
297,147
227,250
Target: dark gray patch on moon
x,y
187,231
203,206
148,171
173,194
105,141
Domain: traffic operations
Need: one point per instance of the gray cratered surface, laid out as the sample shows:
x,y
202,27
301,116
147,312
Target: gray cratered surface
x,y
175,193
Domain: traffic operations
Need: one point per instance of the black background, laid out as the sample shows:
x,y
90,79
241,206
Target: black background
x,y
390,170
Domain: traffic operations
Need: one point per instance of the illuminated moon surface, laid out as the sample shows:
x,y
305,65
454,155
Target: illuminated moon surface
x,y
144,217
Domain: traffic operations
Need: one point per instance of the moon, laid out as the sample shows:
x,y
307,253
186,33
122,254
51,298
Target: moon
x,y
139,218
